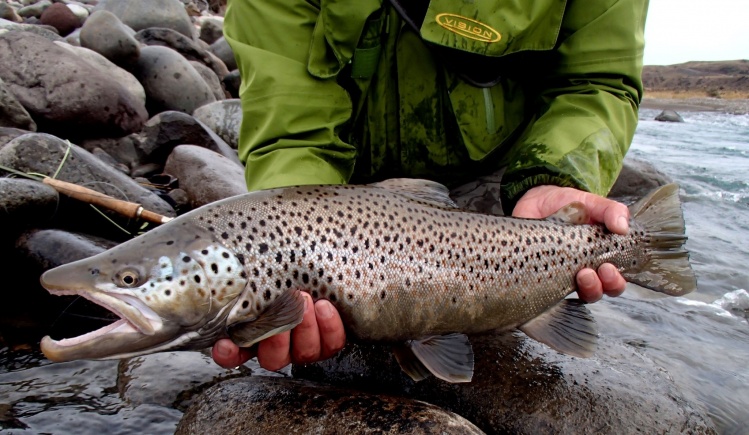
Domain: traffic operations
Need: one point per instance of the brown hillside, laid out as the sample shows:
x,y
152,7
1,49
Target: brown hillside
x,y
721,79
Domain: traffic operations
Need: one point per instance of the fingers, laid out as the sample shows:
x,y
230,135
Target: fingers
x,y
305,338
330,325
228,355
612,282
591,286
273,352
615,216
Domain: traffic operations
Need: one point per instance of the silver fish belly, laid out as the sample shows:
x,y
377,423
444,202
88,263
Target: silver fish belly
x,y
399,261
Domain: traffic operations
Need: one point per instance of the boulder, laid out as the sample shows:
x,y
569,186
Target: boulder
x,y
61,18
636,179
167,130
105,34
521,386
48,155
185,46
669,116
232,82
142,14
8,13
171,83
24,203
34,9
205,175
106,67
223,117
49,33
211,30
277,406
63,93
211,80
12,113
223,51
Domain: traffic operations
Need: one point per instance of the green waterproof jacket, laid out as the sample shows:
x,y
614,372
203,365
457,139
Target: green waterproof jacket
x,y
338,91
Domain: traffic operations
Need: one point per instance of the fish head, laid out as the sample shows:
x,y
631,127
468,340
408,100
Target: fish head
x,y
171,287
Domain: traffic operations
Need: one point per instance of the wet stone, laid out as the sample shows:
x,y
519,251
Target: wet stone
x,y
24,203
223,117
522,386
205,175
283,406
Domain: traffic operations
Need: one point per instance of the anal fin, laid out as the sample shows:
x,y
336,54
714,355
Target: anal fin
x,y
281,315
567,327
448,357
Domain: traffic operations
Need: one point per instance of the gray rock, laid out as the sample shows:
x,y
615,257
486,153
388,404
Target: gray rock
x,y
7,134
46,154
139,14
109,160
79,11
7,26
276,406
522,386
211,80
61,18
223,51
185,46
12,113
637,178
25,203
223,117
8,13
52,248
669,116
205,175
125,150
171,83
105,34
63,93
34,9
211,30
106,67
167,130
232,82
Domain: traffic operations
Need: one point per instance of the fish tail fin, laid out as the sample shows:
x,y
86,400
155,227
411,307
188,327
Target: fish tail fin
x,y
668,270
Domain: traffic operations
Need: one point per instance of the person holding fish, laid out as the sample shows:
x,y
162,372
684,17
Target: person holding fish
x,y
518,107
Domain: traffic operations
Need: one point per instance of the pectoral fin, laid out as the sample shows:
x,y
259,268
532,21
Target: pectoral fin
x,y
281,315
448,357
567,327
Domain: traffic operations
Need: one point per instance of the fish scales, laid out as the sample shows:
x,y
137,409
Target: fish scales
x,y
397,268
401,263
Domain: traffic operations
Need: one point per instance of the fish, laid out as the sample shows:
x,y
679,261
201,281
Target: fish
x,y
402,264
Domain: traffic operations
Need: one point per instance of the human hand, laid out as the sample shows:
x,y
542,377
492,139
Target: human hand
x,y
318,337
543,201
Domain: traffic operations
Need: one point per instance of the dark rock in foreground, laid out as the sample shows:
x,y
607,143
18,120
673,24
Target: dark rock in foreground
x,y
521,386
275,406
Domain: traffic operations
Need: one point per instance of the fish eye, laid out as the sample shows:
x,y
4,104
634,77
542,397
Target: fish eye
x,y
128,278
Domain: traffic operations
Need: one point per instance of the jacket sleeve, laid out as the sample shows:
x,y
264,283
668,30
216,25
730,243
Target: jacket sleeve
x,y
586,107
291,119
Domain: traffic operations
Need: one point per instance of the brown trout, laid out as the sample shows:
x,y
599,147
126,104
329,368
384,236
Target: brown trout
x,y
398,260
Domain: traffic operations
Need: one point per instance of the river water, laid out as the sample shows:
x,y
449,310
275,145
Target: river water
x,y
702,339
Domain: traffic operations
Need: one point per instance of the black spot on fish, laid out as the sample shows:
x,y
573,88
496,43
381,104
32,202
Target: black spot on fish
x,y
186,259
214,267
288,283
197,278
383,294
204,252
171,242
168,292
266,295
263,248
245,304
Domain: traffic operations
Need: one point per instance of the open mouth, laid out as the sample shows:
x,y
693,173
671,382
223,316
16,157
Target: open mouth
x,y
135,319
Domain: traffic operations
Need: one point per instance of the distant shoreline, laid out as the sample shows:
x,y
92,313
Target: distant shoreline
x,y
732,106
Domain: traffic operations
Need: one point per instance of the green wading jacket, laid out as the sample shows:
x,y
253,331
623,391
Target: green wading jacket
x,y
337,91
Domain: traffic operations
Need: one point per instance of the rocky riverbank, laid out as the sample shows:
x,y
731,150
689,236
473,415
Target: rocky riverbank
x,y
137,99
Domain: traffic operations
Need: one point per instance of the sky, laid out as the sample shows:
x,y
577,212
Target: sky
x,y
678,31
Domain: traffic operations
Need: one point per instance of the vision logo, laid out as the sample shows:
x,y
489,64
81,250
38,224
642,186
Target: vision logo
x,y
467,27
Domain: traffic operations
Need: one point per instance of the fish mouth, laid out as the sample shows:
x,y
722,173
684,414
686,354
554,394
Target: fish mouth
x,y
138,324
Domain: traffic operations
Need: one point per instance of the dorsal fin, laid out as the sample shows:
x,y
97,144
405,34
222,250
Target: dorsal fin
x,y
421,190
573,213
